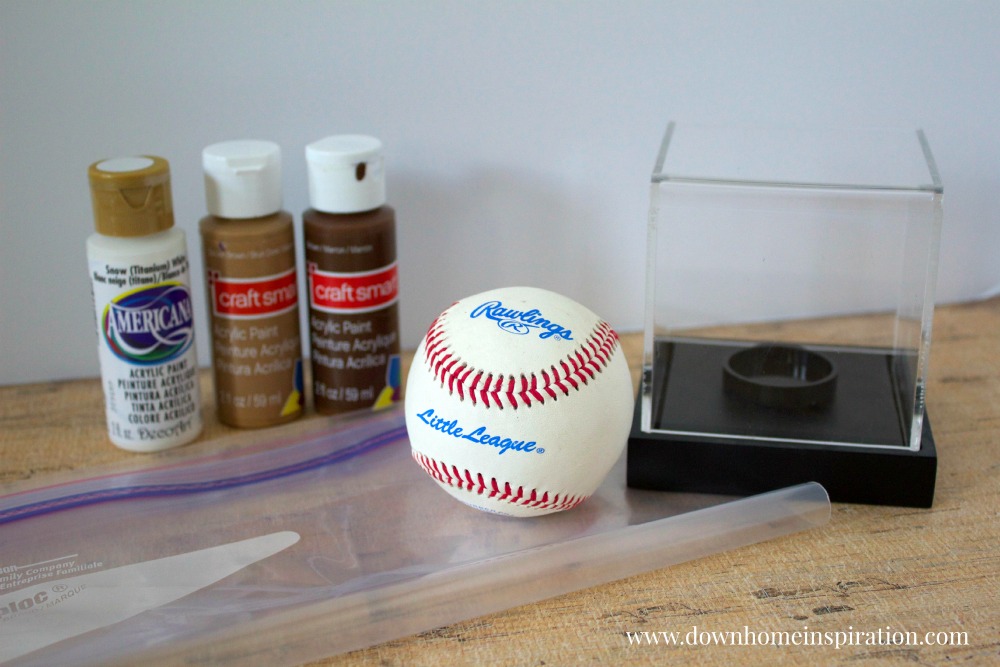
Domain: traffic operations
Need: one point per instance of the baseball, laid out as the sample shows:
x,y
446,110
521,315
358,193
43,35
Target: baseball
x,y
519,401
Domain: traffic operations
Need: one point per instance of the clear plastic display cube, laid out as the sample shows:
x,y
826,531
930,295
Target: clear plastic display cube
x,y
789,302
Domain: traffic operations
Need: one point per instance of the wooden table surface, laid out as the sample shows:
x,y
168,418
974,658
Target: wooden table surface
x,y
871,568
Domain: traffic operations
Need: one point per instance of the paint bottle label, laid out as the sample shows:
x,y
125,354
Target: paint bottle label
x,y
355,341
149,367
256,344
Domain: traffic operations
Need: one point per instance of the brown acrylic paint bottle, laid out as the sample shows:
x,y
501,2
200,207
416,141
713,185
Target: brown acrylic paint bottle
x,y
350,250
248,246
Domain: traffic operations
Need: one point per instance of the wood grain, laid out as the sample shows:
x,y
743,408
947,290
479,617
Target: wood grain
x,y
870,568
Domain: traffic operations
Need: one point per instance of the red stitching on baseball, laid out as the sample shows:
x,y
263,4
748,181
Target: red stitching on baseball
x,y
476,483
572,372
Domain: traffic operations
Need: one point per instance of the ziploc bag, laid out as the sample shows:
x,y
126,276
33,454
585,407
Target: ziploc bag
x,y
315,539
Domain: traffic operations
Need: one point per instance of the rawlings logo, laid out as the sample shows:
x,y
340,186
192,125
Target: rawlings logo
x,y
521,322
478,435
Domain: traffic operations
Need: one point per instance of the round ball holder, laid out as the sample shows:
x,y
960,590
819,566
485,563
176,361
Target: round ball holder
x,y
787,377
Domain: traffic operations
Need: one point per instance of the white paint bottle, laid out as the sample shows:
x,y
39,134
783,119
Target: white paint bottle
x,y
142,301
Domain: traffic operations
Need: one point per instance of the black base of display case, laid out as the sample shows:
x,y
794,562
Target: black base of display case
x,y
692,408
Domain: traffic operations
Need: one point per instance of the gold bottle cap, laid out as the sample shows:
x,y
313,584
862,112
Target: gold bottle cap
x,y
131,196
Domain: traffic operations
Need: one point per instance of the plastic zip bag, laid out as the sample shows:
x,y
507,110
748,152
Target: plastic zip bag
x,y
314,539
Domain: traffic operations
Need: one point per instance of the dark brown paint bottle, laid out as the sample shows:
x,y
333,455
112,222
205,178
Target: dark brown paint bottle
x,y
350,250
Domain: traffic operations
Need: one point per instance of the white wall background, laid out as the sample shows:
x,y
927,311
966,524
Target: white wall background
x,y
519,136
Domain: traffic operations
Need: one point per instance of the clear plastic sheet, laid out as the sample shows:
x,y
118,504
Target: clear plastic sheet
x,y
316,539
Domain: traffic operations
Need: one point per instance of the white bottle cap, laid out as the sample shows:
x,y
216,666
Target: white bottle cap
x,y
242,178
346,174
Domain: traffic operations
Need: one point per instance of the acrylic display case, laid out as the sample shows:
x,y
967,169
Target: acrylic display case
x,y
789,301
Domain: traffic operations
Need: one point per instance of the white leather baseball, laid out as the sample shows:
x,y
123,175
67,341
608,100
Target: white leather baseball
x,y
519,401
